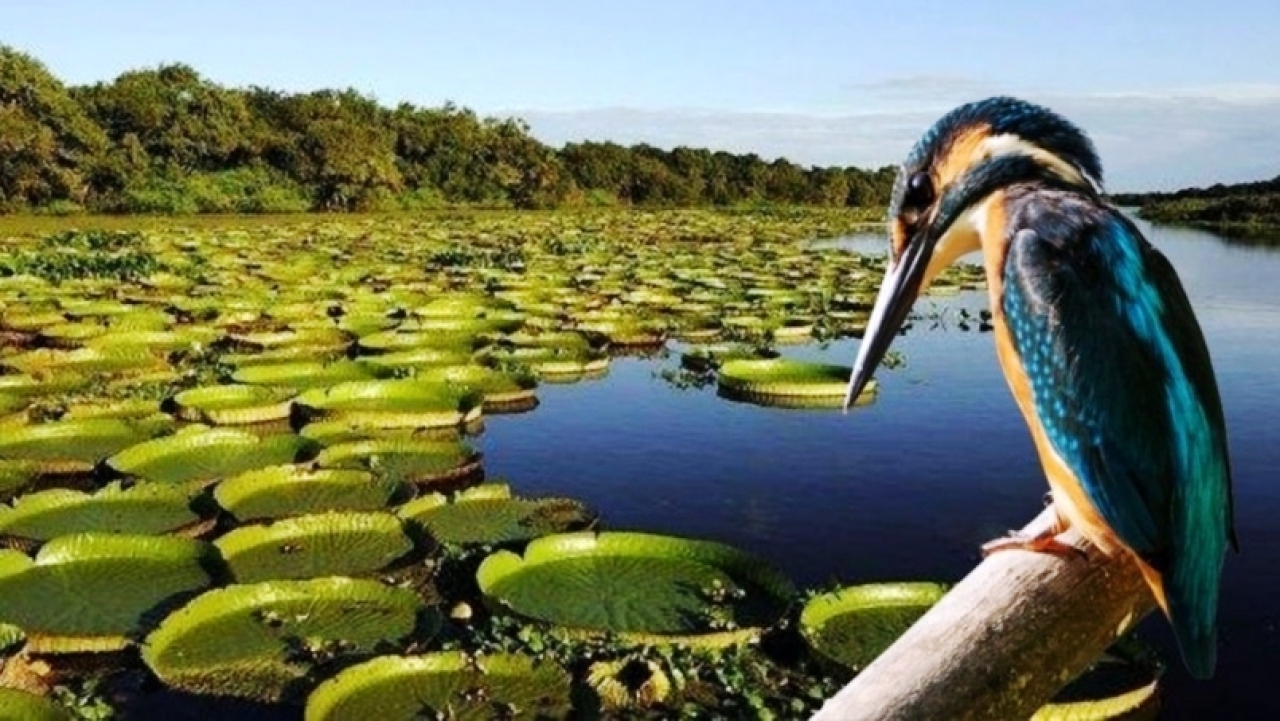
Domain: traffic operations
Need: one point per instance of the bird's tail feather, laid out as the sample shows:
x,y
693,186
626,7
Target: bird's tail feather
x,y
1193,611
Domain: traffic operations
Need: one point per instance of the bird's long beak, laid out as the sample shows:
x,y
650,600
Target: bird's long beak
x,y
897,294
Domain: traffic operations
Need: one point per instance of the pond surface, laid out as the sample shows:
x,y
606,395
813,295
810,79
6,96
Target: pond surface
x,y
909,487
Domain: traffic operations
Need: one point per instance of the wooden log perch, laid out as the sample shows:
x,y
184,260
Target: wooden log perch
x,y
1003,641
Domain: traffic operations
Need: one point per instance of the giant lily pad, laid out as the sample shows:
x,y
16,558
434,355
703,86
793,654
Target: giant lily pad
x,y
449,684
208,455
323,544
643,586
305,375
788,383
263,640
854,625
710,357
16,475
234,404
86,360
1123,684
295,490
69,446
406,460
90,592
501,391
400,403
145,509
425,357
487,514
16,705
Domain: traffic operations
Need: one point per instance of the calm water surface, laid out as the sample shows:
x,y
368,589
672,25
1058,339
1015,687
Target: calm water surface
x,y
908,488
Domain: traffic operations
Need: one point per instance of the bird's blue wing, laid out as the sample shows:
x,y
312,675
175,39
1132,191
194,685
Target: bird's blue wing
x,y
1118,367
1123,386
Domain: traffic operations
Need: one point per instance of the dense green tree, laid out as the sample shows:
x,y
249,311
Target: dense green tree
x,y
176,116
49,147
166,140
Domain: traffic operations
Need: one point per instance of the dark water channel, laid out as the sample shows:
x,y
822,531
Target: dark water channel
x,y
908,488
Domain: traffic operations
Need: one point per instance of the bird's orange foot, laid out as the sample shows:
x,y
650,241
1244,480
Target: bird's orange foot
x,y
1045,543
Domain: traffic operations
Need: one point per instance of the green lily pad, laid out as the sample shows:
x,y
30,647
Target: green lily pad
x,y
125,409
69,335
234,404
487,514
85,360
39,383
145,509
710,357
391,404
17,475
295,490
647,587
452,684
17,705
403,340
323,544
208,455
406,460
306,375
332,433
154,340
854,625
500,390
91,592
311,338
69,446
424,357
789,383
1123,684
263,641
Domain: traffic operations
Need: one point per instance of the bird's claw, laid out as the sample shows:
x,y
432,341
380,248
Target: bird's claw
x,y
1046,543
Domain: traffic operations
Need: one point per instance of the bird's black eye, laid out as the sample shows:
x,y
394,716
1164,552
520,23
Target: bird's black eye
x,y
919,192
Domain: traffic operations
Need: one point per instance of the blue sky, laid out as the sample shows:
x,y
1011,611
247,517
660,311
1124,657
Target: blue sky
x,y
1173,92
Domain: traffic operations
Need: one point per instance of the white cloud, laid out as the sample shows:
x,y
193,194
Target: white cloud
x,y
1147,140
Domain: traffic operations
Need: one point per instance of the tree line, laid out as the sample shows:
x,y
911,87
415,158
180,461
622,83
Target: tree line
x,y
1255,203
167,141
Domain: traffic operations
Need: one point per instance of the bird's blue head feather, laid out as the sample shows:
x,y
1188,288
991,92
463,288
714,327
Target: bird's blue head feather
x,y
983,146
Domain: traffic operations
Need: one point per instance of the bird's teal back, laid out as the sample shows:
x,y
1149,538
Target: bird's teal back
x,y
1124,388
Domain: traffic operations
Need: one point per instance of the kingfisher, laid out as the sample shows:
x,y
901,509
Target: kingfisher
x,y
1095,336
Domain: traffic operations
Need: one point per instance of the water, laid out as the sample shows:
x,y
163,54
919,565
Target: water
x,y
908,488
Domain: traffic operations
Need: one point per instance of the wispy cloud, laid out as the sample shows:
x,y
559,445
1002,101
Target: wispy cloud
x,y
1148,140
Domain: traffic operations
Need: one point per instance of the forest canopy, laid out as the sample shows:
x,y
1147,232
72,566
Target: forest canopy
x,y
168,141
